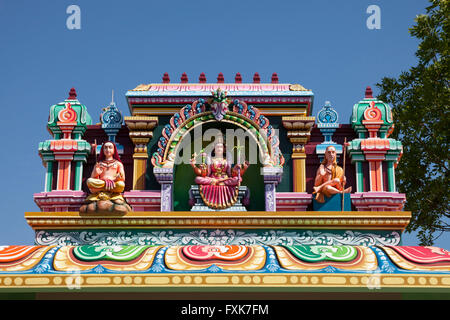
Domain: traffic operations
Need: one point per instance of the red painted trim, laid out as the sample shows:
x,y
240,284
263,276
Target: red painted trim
x,y
255,100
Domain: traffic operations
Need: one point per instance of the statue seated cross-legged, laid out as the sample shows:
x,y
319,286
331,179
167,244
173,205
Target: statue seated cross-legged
x,y
218,181
330,179
106,184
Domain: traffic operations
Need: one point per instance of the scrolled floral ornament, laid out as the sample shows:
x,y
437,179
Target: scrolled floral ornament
x,y
372,113
67,114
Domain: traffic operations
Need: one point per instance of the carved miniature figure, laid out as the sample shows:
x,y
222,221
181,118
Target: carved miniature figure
x,y
330,177
219,181
106,183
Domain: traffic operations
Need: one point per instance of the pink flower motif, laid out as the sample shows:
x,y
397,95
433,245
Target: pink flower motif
x,y
209,252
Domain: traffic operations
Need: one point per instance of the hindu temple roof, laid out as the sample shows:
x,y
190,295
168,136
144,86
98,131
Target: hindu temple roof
x,y
202,88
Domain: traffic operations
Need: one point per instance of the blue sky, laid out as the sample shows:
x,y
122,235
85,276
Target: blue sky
x,y
323,45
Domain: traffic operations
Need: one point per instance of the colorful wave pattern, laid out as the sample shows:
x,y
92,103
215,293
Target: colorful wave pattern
x,y
151,259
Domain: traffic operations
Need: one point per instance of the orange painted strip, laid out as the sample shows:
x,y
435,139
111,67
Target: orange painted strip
x,y
378,177
375,175
63,175
14,253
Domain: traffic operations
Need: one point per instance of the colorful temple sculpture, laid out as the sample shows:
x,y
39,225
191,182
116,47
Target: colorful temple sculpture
x,y
64,156
221,187
376,154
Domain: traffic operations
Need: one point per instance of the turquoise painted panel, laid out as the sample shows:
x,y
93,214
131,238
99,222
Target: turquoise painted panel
x,y
334,203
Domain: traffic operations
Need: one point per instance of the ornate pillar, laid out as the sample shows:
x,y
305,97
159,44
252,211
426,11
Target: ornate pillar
x,y
272,176
141,131
299,132
392,159
48,176
359,173
165,178
48,158
391,176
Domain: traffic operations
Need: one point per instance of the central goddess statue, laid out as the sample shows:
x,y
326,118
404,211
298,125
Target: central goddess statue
x,y
218,180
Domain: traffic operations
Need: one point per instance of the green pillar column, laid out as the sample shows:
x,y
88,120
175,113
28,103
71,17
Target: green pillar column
x,y
359,177
49,176
78,175
391,176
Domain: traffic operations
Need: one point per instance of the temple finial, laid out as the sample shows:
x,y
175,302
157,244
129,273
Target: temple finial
x,y
274,78
368,93
166,78
256,78
184,78
220,78
238,78
112,96
72,94
202,78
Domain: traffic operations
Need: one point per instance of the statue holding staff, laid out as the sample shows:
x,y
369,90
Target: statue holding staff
x,y
330,177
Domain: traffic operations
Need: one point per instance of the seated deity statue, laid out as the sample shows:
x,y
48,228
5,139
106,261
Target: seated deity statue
x,y
330,177
218,180
106,183
108,174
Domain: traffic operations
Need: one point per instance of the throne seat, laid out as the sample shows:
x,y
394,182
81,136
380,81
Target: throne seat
x,y
197,203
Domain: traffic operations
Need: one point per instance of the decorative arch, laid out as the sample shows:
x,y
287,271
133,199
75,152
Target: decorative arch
x,y
237,112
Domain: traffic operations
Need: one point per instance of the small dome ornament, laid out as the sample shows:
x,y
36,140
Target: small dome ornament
x,y
327,114
111,119
111,116
327,122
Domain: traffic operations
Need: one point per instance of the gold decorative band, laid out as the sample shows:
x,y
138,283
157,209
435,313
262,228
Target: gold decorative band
x,y
366,220
259,282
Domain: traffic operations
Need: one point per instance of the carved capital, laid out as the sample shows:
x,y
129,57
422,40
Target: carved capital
x,y
298,131
141,131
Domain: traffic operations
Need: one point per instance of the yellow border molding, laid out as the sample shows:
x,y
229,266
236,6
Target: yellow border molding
x,y
385,220
234,280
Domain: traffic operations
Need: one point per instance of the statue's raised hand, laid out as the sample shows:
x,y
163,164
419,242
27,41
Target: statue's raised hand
x,y
98,170
193,162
